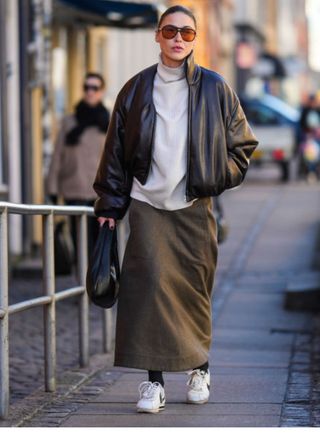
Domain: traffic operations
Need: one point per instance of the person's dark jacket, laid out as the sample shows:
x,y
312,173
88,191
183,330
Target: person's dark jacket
x,y
305,127
220,140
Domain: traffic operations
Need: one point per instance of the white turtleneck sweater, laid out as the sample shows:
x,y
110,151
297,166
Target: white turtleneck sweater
x,y
166,183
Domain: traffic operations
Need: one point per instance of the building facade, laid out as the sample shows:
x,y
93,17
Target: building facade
x,y
272,48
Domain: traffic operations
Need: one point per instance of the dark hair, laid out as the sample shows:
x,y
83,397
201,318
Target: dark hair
x,y
177,8
97,76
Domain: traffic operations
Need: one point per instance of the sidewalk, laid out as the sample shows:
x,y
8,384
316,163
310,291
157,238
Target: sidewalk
x,y
261,356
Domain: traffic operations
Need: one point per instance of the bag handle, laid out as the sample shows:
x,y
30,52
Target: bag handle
x,y
115,258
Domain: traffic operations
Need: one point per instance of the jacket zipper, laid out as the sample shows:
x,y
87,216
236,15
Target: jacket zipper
x,y
152,141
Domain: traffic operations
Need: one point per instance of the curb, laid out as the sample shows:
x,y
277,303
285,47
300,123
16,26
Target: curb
x,y
67,383
303,290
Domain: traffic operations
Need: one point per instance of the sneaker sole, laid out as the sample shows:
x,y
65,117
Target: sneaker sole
x,y
144,410
197,402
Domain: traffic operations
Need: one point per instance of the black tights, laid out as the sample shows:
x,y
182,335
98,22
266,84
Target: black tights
x,y
156,375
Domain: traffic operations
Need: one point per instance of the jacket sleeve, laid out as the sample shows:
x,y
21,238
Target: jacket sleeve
x,y
113,181
241,142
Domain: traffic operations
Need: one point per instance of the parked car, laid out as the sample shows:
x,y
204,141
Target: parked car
x,y
276,125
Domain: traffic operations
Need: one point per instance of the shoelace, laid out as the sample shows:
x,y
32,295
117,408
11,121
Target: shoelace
x,y
147,389
197,379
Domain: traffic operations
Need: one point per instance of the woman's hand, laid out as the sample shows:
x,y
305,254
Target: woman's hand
x,y
111,221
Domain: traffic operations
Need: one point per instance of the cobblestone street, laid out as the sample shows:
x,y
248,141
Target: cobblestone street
x,y
264,359
26,336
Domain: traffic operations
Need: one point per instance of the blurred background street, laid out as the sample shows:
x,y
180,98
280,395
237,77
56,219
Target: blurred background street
x,y
266,298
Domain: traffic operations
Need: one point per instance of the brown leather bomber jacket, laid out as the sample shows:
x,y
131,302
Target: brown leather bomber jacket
x,y
220,140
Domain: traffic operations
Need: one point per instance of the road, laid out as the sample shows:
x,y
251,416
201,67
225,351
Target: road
x,y
262,359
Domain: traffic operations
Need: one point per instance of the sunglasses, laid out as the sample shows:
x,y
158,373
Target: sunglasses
x,y
170,31
94,88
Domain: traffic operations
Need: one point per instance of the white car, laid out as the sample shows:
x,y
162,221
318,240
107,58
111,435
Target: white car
x,y
276,125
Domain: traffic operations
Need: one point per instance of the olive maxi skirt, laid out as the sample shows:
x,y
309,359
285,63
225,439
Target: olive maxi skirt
x,y
164,308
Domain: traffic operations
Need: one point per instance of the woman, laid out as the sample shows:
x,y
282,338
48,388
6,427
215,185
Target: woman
x,y
177,137
77,152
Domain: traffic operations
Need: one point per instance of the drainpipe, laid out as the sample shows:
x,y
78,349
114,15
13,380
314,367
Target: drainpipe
x,y
3,107
13,122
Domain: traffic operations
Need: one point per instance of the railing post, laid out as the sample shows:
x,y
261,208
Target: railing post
x,y
123,231
107,329
4,318
49,309
82,224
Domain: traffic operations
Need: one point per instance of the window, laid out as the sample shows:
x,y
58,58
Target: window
x,y
261,115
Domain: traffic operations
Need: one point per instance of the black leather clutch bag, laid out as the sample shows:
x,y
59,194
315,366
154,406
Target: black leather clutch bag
x,y
102,279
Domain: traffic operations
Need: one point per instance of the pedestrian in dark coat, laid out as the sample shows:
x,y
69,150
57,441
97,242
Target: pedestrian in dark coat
x,y
177,136
77,152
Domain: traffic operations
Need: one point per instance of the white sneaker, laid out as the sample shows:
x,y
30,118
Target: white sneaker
x,y
199,382
152,397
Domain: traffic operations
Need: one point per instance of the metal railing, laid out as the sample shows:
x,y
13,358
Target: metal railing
x,y
50,297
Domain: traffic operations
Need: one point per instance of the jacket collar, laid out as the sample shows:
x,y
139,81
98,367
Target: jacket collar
x,y
192,69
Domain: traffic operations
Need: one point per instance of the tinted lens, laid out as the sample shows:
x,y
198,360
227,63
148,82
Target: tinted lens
x,y
92,87
169,32
188,35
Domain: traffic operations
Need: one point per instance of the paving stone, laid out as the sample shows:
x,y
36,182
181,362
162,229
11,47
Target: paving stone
x,y
267,320
51,415
298,395
249,358
212,408
301,357
295,423
159,420
296,411
250,339
250,389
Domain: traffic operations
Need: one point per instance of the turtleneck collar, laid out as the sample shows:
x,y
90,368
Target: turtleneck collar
x,y
169,74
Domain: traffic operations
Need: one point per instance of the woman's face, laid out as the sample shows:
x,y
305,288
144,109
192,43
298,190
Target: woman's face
x,y
93,91
176,49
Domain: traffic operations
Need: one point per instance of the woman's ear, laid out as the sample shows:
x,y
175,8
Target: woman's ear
x,y
156,37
